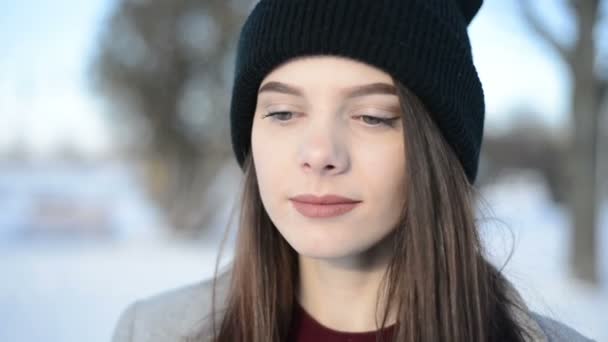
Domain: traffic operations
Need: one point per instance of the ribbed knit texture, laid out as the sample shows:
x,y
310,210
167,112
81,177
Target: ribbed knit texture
x,y
422,43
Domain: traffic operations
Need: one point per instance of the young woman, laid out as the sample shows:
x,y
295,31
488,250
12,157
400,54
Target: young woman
x,y
358,126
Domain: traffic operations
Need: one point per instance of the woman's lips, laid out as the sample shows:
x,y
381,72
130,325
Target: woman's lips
x,y
323,210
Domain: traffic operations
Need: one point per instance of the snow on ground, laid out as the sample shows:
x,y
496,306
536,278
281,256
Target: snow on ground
x,y
63,286
74,292
66,288
526,220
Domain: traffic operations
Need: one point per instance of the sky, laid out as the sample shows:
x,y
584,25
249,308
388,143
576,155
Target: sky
x,y
46,100
45,97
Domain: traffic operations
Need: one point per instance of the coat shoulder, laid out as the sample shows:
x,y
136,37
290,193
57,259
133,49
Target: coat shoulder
x,y
173,315
557,331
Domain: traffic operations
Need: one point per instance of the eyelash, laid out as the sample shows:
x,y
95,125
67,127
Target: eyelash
x,y
388,122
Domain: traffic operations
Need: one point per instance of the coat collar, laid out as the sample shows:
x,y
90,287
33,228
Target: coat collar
x,y
522,315
519,310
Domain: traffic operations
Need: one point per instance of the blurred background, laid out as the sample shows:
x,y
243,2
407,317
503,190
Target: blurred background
x,y
117,177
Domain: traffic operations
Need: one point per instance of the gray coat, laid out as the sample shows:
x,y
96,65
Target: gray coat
x,y
175,314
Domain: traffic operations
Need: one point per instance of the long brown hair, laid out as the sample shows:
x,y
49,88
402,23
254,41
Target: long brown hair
x,y
438,280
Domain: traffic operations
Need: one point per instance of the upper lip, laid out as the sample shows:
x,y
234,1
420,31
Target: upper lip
x,y
325,199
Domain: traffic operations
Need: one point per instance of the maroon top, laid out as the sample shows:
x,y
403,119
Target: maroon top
x,y
305,328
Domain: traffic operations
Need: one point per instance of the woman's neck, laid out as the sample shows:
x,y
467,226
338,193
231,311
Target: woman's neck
x,y
342,294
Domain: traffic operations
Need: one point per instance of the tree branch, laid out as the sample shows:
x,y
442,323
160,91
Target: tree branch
x,y
535,24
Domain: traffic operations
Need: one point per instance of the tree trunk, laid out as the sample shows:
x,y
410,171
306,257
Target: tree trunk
x,y
583,158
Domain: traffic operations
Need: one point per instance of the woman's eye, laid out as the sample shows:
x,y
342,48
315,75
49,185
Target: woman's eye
x,y
377,121
374,121
278,115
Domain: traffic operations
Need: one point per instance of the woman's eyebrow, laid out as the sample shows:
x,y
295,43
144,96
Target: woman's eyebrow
x,y
351,92
371,89
279,87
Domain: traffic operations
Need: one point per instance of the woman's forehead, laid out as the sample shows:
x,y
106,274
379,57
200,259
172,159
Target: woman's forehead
x,y
326,72
346,92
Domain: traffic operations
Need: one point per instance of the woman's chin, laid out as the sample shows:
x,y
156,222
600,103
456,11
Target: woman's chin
x,y
325,250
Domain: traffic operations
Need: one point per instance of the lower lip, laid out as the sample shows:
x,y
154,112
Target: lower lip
x,y
323,210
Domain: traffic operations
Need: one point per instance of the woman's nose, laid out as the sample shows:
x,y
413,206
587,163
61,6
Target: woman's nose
x,y
323,151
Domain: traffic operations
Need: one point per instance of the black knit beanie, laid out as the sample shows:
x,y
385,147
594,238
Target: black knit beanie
x,y
422,43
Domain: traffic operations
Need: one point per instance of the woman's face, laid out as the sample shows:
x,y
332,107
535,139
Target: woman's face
x,y
328,137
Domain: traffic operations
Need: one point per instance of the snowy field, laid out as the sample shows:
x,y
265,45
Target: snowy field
x,y
526,220
68,286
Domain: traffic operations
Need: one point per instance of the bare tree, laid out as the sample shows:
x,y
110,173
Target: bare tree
x,y
165,69
589,88
529,144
